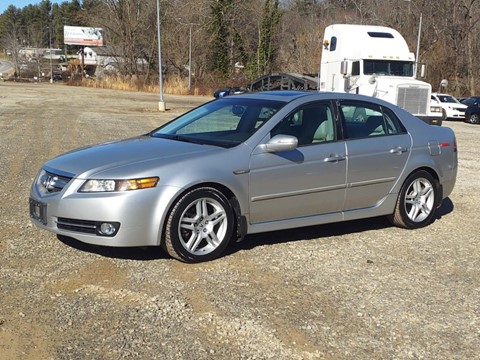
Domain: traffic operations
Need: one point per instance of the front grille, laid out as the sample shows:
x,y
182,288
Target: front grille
x,y
82,226
53,183
415,100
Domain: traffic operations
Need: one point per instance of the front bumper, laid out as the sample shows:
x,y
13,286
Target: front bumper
x,y
431,119
138,213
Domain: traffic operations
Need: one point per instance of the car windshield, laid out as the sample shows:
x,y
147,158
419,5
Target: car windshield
x,y
224,122
447,99
386,67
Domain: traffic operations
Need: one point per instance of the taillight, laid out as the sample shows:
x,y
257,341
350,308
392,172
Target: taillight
x,y
447,144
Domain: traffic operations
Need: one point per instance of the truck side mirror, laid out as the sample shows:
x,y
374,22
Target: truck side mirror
x,y
423,70
344,67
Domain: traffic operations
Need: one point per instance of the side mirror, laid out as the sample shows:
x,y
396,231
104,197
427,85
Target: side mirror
x,y
423,70
344,67
280,143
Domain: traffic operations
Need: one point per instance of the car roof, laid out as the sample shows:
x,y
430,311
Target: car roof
x,y
291,95
442,94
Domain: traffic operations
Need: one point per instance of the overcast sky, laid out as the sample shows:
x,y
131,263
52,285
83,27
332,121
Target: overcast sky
x,y
19,4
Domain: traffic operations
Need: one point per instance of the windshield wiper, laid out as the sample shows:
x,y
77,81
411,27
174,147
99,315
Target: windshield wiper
x,y
194,140
177,137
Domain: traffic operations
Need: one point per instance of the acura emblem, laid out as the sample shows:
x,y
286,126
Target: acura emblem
x,y
49,182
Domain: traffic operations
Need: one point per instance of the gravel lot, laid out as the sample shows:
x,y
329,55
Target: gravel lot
x,y
357,290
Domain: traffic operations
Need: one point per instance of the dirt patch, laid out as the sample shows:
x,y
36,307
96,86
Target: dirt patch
x,y
357,290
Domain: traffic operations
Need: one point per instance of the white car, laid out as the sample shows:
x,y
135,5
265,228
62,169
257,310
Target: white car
x,y
452,108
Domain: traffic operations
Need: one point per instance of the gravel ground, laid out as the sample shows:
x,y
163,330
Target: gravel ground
x,y
356,290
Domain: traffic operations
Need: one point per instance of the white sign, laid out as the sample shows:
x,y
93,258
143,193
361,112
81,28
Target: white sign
x,y
85,36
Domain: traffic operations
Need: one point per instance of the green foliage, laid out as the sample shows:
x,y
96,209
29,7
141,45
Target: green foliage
x,y
218,29
266,47
36,25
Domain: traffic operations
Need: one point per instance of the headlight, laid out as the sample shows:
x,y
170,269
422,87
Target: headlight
x,y
104,185
435,109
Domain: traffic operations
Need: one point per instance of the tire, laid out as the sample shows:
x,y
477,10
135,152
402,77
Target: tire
x,y
417,201
474,119
199,226
444,114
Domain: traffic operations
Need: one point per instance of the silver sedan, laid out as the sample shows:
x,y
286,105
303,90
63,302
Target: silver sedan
x,y
249,164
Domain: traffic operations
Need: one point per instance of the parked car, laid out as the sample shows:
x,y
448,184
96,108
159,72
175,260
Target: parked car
x,y
229,91
470,100
452,108
57,77
247,164
472,114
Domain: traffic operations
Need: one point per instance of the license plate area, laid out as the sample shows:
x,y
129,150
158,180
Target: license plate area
x,y
38,211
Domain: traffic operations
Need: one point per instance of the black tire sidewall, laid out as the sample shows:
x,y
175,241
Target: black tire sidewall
x,y
175,216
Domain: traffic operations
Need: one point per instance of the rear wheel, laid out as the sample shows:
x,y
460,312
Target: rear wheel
x,y
199,226
416,202
474,119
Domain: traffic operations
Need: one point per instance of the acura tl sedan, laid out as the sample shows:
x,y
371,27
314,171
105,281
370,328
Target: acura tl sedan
x,y
247,164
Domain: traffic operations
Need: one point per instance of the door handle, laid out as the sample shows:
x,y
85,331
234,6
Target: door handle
x,y
399,150
334,158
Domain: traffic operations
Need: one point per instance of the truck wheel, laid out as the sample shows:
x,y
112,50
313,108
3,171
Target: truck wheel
x,y
416,202
199,226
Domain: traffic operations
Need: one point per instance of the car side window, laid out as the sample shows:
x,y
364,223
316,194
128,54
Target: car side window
x,y
362,119
312,124
392,122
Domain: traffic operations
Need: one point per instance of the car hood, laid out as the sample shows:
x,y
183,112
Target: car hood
x,y
141,152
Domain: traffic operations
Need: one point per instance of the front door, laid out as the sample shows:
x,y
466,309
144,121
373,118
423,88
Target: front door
x,y
307,181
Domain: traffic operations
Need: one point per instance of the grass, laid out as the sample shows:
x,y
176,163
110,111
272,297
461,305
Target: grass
x,y
173,85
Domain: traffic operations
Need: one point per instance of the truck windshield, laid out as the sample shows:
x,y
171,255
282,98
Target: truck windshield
x,y
389,68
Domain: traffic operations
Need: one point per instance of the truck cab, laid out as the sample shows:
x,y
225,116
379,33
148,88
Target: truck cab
x,y
375,61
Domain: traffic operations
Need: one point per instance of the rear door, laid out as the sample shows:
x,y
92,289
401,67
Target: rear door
x,y
377,149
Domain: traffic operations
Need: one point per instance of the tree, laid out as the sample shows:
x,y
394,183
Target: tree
x,y
12,33
266,45
124,22
220,33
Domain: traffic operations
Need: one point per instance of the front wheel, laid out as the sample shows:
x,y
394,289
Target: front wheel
x,y
199,226
416,202
474,119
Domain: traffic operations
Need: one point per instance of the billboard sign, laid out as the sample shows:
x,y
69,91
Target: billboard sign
x,y
84,36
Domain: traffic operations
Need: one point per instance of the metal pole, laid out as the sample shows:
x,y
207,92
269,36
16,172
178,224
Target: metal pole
x,y
418,45
50,40
190,60
161,103
417,54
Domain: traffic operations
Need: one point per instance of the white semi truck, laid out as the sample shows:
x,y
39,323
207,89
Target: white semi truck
x,y
375,61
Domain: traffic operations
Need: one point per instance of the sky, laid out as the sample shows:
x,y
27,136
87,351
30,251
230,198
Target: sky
x,y
4,4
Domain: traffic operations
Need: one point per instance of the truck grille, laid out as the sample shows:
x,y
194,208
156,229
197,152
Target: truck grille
x,y
415,100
